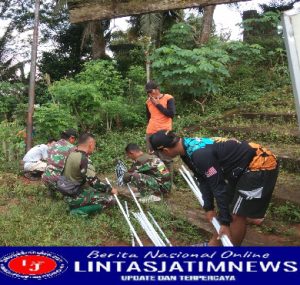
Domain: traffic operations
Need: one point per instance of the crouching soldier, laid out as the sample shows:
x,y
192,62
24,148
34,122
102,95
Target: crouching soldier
x,y
57,155
84,192
148,173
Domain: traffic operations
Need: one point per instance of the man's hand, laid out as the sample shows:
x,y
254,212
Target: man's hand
x,y
127,177
154,101
114,191
224,230
210,215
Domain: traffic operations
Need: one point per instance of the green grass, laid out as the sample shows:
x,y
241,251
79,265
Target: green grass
x,y
29,217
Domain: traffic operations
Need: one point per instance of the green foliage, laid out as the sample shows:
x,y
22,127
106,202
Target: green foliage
x,y
52,119
11,94
96,98
244,53
12,146
181,35
103,75
136,81
193,73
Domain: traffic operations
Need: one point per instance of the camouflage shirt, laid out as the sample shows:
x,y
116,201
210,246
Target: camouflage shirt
x,y
57,155
152,166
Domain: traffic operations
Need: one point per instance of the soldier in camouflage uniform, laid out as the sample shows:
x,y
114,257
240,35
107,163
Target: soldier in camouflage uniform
x,y
94,195
57,155
148,172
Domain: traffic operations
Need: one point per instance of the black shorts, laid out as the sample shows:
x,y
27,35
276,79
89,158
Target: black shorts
x,y
253,193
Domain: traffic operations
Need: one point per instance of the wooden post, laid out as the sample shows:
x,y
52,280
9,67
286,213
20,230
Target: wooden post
x,y
32,76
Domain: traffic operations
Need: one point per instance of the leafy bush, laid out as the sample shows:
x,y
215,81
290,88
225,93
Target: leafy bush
x,y
11,94
192,73
52,119
181,35
96,98
12,146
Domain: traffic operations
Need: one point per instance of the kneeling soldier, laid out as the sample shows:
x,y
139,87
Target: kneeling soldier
x,y
148,172
89,194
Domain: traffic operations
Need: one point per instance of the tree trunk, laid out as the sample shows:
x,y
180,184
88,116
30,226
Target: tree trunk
x,y
87,10
98,40
32,76
207,23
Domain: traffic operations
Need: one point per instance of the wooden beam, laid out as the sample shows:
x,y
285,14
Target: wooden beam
x,y
82,11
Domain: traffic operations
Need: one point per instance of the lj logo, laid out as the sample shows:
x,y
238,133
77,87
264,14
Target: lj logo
x,y
32,265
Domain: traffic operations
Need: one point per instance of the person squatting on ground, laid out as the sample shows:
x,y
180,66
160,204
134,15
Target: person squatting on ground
x,y
160,110
35,159
241,176
148,173
90,195
57,155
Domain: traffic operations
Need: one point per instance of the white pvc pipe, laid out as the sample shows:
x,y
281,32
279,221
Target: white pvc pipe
x,y
144,217
160,230
146,229
128,221
192,188
126,218
128,215
189,179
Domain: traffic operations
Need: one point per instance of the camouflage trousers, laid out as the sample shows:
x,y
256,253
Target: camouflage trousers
x,y
89,201
147,184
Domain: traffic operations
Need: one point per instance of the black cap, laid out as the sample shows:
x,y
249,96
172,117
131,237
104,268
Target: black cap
x,y
150,86
163,139
70,133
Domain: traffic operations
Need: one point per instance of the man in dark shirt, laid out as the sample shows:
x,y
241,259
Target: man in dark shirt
x,y
94,195
240,176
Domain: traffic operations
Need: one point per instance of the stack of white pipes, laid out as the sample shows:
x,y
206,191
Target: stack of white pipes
x,y
127,218
194,187
147,226
143,221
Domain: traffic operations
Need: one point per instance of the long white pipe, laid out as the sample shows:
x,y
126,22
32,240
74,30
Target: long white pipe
x,y
189,179
145,219
127,219
128,215
145,226
160,230
192,188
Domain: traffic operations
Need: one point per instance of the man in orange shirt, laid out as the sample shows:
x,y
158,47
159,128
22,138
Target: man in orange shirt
x,y
160,110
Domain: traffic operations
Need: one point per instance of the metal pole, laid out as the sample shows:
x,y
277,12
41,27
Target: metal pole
x,y
31,93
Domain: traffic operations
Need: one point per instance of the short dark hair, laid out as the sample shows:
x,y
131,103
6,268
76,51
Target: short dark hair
x,y
83,138
132,147
163,139
50,140
150,86
69,133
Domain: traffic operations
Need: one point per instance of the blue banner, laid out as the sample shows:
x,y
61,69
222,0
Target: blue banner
x,y
150,265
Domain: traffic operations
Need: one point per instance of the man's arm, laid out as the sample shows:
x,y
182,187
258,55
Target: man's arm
x,y
209,169
170,110
148,113
88,172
